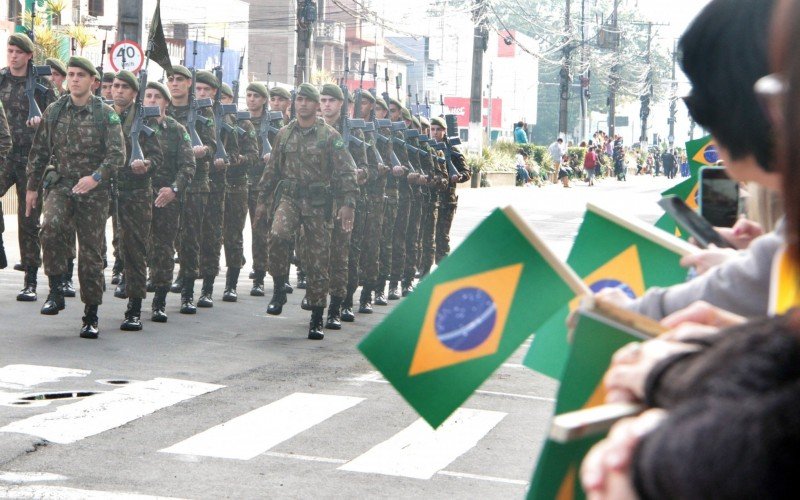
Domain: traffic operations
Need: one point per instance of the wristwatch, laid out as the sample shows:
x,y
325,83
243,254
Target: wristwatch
x,y
97,177
174,188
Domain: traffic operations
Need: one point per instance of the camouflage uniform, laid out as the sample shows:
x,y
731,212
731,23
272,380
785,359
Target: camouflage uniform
x,y
259,232
83,140
448,206
308,168
5,147
389,218
236,202
416,200
376,193
430,213
404,190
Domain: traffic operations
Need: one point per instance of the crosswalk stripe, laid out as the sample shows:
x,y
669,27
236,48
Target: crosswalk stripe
x,y
64,493
419,451
101,412
23,376
255,432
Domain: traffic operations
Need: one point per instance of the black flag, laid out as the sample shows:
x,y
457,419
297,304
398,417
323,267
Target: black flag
x,y
159,52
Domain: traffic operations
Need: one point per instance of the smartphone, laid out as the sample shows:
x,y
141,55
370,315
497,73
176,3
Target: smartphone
x,y
691,222
718,197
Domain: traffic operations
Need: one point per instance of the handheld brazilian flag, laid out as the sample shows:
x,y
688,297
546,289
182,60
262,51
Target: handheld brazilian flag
x,y
702,152
470,315
609,251
595,340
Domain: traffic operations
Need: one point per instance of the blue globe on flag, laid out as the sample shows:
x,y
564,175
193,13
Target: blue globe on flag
x,y
711,155
465,319
611,283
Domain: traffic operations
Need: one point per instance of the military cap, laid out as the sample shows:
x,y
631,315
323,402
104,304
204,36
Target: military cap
x,y
177,69
415,121
380,102
82,63
161,88
280,92
308,91
207,77
258,88
424,123
366,94
226,90
108,76
394,101
406,114
22,41
129,78
439,121
57,65
332,90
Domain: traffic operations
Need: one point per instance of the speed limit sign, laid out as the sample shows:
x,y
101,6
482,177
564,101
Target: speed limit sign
x,y
126,54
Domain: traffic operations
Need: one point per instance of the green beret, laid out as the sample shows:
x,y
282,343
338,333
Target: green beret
x,y
308,91
82,63
406,114
280,92
332,90
129,78
424,123
207,77
380,102
108,77
367,95
394,101
57,65
439,121
227,90
177,69
258,88
415,122
22,41
161,88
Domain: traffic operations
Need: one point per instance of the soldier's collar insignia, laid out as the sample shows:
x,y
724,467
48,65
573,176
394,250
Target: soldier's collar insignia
x,y
186,137
338,144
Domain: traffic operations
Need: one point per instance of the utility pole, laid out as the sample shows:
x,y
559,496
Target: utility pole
x,y
585,76
563,103
306,17
489,107
673,101
130,20
646,97
614,78
479,46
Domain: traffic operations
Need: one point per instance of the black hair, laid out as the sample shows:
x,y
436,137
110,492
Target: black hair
x,y
520,124
723,52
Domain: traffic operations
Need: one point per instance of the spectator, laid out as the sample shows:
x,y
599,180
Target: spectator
x,y
522,169
564,171
520,137
589,164
669,163
556,151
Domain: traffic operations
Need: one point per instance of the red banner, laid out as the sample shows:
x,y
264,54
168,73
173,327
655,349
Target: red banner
x,y
459,106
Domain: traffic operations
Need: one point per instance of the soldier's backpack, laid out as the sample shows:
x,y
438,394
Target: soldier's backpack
x,y
97,111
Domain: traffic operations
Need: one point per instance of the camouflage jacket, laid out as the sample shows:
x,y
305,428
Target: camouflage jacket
x,y
178,166
151,150
79,146
15,102
5,134
248,155
256,169
316,155
206,131
402,155
216,176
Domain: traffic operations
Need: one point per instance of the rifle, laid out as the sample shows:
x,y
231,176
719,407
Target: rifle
x,y
32,78
220,110
451,140
292,110
141,111
269,73
195,104
267,117
398,82
240,115
98,90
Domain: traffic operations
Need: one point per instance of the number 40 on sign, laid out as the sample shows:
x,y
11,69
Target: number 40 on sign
x,y
126,54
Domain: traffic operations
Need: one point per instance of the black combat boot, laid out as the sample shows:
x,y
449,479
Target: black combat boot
x,y
304,305
3,258
133,316
121,292
380,294
394,294
19,267
177,285
275,306
287,287
252,275
89,329
116,272
55,299
187,297
160,304
334,321
302,283
258,284
365,301
205,299
347,306
315,331
150,286
231,278
66,281
408,287
28,293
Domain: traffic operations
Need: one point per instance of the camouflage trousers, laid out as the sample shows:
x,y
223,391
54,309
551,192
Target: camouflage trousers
x,y
447,211
316,222
211,239
412,236
135,217
64,213
112,213
259,231
192,212
339,266
233,227
399,237
30,248
371,247
356,243
163,233
387,235
430,214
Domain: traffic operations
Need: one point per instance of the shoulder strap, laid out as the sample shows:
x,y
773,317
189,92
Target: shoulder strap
x,y
56,108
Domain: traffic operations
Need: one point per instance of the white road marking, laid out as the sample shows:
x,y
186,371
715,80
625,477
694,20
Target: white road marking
x,y
255,432
63,493
419,451
101,412
480,477
23,376
29,477
306,458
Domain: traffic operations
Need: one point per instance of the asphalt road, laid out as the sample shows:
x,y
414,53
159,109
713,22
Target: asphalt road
x,y
232,403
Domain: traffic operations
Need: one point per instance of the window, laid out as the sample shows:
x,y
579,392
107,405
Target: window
x,y
96,8
431,70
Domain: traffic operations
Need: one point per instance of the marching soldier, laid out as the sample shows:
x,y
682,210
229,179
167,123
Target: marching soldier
x,y
58,72
415,201
449,201
170,181
85,138
196,197
430,209
280,100
15,102
236,200
106,85
309,168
